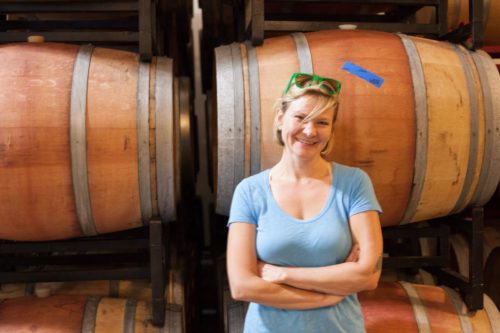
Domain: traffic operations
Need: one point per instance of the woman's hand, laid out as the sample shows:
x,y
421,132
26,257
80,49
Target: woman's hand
x,y
270,272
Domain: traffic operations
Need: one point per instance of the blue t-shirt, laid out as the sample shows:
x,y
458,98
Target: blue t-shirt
x,y
320,241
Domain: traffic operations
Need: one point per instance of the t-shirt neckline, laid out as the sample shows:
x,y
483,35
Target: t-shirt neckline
x,y
326,206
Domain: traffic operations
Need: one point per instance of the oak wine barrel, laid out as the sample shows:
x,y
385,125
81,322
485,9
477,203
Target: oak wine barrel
x,y
74,313
86,141
428,136
405,307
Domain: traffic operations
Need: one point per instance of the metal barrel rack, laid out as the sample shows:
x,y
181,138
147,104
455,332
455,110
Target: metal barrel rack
x,y
129,25
133,254
401,243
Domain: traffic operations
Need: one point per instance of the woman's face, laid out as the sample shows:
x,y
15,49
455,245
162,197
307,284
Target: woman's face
x,y
305,139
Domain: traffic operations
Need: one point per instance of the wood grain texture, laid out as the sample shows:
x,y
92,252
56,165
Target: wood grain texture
x,y
388,309
110,318
65,314
112,140
448,129
29,314
370,119
277,61
36,191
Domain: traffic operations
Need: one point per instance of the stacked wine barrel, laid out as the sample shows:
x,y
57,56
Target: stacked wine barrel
x,y
428,137
90,143
87,137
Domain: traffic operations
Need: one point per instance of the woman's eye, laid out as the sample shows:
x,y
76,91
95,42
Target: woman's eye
x,y
299,117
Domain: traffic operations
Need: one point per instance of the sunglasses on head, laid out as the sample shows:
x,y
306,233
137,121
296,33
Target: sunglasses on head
x,y
302,80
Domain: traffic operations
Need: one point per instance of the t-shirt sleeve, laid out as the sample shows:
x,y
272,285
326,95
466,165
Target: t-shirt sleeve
x,y
241,205
363,196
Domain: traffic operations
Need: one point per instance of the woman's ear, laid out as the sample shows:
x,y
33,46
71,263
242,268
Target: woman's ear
x,y
278,119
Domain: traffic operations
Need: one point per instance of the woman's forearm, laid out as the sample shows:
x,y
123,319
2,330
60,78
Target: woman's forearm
x,y
344,279
254,289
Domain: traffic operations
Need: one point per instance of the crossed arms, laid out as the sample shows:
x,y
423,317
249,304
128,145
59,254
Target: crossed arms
x,y
304,287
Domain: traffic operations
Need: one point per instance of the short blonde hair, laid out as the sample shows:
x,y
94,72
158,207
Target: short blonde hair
x,y
324,102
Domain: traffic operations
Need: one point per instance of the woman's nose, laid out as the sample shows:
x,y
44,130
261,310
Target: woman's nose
x,y
309,129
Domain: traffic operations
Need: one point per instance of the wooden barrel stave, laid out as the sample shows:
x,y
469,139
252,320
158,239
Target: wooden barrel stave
x,y
27,147
449,136
112,140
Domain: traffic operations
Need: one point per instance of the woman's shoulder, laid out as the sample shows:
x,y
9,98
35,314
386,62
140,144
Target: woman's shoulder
x,y
258,180
349,176
346,170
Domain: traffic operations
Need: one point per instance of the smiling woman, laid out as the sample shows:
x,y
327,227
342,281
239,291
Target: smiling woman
x,y
305,234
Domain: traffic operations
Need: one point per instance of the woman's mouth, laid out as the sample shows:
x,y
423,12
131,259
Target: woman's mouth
x,y
307,142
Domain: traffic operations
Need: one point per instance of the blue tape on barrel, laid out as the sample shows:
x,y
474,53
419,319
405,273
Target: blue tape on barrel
x,y
363,73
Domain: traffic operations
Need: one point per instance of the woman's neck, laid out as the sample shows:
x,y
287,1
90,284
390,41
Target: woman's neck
x,y
297,169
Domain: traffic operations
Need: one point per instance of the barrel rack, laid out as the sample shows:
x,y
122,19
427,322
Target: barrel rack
x,y
407,254
396,20
129,24
134,254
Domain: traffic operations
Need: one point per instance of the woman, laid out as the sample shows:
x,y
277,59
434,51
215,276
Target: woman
x,y
304,236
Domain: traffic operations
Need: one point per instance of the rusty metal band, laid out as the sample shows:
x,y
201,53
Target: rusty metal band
x,y
303,52
474,130
461,310
78,135
129,316
254,90
492,312
421,131
90,314
225,124
239,115
143,142
165,139
489,176
418,308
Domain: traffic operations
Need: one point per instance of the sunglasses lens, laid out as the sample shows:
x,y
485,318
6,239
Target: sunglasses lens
x,y
302,79
329,86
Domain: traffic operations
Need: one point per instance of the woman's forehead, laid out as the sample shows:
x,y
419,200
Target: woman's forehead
x,y
306,104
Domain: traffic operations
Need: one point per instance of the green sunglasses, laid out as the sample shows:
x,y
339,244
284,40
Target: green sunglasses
x,y
301,80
